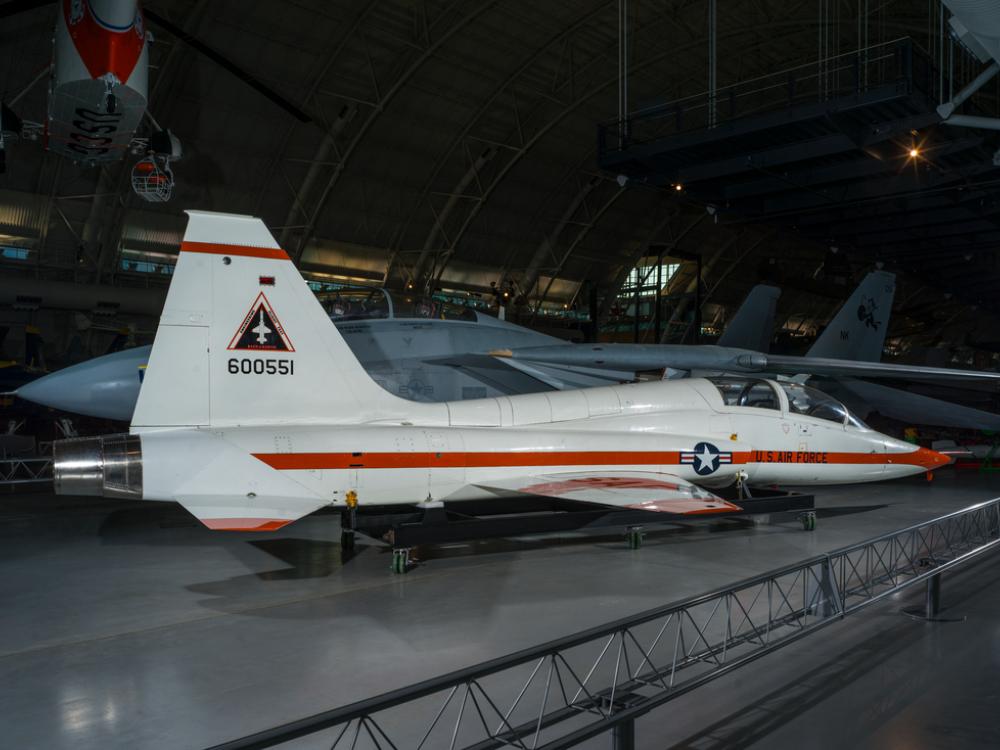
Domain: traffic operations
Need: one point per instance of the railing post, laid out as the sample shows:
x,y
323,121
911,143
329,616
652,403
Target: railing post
x,y
623,735
932,596
827,588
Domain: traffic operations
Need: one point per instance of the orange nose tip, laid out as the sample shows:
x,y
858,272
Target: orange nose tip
x,y
930,459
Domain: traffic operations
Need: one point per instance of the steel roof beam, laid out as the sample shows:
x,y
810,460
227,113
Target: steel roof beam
x,y
383,101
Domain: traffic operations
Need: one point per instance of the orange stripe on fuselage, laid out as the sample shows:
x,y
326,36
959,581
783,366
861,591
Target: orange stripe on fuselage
x,y
486,459
292,461
245,251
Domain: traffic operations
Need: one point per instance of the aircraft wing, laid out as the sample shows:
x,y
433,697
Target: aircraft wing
x,y
863,397
635,490
787,365
622,358
556,377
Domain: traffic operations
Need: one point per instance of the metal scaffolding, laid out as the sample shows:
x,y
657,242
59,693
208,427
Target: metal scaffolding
x,y
601,680
18,471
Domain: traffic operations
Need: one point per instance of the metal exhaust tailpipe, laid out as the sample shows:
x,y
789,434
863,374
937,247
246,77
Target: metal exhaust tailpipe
x,y
107,466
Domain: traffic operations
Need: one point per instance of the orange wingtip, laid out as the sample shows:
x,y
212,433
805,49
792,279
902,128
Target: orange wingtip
x,y
244,524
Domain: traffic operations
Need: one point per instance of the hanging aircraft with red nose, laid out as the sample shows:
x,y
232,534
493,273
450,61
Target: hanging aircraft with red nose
x,y
254,412
99,87
100,78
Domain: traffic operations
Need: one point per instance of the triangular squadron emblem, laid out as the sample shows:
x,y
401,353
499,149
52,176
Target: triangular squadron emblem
x,y
261,330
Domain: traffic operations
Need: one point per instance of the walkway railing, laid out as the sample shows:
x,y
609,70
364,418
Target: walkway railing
x,y
898,64
564,692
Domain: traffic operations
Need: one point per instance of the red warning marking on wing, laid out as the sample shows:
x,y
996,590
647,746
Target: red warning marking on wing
x,y
261,331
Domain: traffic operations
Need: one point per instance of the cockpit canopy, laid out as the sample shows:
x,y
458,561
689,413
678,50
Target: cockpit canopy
x,y
344,302
802,399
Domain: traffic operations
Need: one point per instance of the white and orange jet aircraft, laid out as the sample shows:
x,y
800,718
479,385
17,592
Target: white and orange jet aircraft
x,y
254,413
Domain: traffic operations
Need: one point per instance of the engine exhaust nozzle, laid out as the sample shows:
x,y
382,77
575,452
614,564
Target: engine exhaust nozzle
x,y
106,466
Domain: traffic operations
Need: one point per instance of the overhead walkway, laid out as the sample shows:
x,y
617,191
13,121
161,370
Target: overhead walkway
x,y
850,150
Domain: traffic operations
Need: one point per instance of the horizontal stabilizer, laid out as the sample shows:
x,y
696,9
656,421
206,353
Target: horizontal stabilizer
x,y
635,490
231,490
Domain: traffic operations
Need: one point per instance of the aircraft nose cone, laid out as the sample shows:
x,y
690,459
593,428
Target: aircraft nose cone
x,y
47,390
106,387
929,459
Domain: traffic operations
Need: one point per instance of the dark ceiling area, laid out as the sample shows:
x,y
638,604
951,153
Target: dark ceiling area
x,y
855,157
452,145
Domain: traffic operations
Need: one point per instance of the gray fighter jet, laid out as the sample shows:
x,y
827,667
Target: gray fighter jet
x,y
849,347
423,353
439,358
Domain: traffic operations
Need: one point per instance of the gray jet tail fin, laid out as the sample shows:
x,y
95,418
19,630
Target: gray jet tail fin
x,y
753,323
858,329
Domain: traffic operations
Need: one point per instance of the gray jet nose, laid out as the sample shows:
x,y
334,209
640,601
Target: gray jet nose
x,y
105,387
44,390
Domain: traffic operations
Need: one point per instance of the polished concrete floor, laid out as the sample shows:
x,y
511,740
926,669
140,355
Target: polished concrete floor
x,y
128,625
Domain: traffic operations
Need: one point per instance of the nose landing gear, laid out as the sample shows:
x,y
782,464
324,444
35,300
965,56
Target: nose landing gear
x,y
742,488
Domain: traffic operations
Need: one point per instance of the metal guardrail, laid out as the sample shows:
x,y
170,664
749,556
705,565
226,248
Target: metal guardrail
x,y
564,692
900,64
18,471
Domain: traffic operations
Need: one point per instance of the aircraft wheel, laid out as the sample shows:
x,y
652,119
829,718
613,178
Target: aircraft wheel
x,y
808,520
634,538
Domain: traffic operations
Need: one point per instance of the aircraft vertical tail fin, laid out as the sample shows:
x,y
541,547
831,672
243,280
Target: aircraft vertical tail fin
x,y
243,340
753,324
858,329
